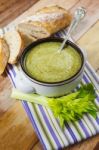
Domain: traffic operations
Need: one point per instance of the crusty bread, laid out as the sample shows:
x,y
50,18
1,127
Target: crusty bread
x,y
46,22
15,43
27,39
33,29
4,55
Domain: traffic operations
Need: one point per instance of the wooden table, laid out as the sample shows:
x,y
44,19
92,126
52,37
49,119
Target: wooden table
x,y
16,131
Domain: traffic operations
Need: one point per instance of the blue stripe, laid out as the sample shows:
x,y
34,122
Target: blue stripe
x,y
10,77
92,73
88,81
71,132
97,120
49,126
33,123
12,69
29,115
97,131
84,129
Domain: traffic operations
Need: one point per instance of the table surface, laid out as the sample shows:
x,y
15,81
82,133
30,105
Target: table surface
x,y
16,131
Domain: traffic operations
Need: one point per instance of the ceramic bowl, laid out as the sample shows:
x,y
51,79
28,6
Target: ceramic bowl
x,y
58,88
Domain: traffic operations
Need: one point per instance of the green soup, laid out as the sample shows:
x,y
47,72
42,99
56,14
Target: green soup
x,y
45,64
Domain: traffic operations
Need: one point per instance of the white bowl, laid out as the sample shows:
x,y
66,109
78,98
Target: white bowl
x,y
58,88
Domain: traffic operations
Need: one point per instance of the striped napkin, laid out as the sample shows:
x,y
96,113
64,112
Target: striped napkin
x,y
47,127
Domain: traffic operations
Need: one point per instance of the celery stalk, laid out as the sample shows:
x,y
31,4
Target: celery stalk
x,y
66,108
30,97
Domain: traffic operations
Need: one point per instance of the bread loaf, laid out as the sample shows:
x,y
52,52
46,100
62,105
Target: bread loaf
x,y
27,39
15,43
4,55
46,22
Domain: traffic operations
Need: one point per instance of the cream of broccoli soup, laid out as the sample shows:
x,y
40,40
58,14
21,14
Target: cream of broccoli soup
x,y
45,64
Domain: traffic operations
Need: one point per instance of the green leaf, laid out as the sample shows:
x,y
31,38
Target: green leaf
x,y
66,108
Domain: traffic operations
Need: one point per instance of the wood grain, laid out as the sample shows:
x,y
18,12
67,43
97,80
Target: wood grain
x,y
90,42
9,10
42,3
16,131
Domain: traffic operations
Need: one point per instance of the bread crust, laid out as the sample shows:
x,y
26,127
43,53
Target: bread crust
x,y
4,55
48,20
27,39
14,55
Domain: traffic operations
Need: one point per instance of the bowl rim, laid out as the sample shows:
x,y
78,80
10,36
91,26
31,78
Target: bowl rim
x,y
56,39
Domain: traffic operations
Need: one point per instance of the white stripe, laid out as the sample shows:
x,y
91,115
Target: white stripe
x,y
91,118
11,72
87,128
58,128
68,135
62,34
91,68
94,122
54,128
96,101
89,124
91,77
46,128
80,129
75,131
45,140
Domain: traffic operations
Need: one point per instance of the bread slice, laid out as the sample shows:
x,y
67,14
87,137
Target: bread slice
x,y
27,39
15,43
33,29
4,55
46,22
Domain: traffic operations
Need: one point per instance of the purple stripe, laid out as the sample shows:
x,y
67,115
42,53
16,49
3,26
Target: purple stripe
x,y
89,81
49,126
26,107
84,129
12,69
57,34
97,120
91,71
64,32
85,79
97,131
29,114
97,98
71,132
10,77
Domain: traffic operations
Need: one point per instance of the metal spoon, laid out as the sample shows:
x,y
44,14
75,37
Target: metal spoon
x,y
79,15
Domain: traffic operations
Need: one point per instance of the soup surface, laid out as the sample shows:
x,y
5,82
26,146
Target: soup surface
x,y
46,64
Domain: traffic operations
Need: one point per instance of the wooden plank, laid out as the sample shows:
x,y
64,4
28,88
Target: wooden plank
x,y
38,146
16,131
63,3
89,144
13,118
7,104
5,91
14,7
90,42
92,15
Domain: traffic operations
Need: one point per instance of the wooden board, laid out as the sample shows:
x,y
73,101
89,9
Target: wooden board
x,y
10,9
90,42
16,131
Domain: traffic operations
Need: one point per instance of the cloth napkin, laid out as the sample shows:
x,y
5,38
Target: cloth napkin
x,y
47,127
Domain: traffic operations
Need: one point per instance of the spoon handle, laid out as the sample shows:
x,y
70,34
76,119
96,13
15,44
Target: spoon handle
x,y
79,14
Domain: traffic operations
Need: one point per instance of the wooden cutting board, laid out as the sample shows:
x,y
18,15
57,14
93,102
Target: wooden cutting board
x,y
16,131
